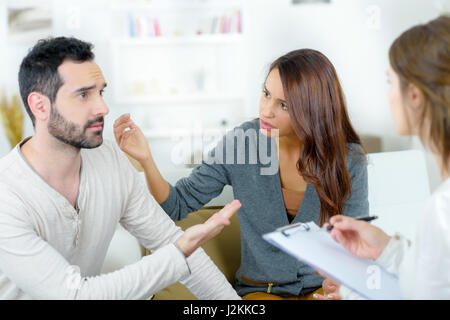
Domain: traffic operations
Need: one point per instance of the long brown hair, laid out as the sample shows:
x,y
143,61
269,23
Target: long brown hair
x,y
421,56
319,118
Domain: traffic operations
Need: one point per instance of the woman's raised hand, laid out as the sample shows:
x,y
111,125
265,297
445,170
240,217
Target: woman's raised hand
x,y
130,138
358,237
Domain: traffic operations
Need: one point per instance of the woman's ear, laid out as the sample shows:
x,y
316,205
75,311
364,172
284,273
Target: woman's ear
x,y
39,105
415,97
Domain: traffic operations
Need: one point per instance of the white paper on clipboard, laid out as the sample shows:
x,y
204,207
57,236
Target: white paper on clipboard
x,y
315,247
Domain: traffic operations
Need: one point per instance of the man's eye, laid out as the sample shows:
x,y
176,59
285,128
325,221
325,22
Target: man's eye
x,y
266,93
83,95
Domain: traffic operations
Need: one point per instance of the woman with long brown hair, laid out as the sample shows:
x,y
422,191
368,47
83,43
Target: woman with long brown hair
x,y
320,171
419,97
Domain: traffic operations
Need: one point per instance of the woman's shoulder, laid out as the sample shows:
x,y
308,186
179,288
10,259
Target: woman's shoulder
x,y
248,130
356,156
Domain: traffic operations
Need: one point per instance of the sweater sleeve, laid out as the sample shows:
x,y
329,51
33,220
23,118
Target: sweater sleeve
x,y
394,253
205,182
39,270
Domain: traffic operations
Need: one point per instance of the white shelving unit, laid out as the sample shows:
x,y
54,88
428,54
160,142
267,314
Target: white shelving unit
x,y
180,40
178,99
187,67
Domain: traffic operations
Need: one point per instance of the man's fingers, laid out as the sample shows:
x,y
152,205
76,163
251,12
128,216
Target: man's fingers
x,y
222,217
228,211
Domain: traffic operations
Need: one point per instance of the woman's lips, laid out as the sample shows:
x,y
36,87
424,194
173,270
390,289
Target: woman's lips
x,y
265,125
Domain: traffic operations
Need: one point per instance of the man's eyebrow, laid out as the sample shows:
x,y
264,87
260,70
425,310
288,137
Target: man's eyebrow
x,y
88,88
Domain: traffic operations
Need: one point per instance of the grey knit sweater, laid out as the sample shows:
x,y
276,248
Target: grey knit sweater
x,y
258,187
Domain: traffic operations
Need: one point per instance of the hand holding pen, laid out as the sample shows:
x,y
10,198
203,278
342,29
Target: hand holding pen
x,y
365,218
357,236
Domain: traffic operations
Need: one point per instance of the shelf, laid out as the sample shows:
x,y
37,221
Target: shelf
x,y
181,40
164,133
180,6
177,99
199,45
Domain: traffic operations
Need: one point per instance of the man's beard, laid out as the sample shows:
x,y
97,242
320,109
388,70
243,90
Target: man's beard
x,y
73,134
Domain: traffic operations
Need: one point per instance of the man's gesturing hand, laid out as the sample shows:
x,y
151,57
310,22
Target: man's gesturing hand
x,y
197,235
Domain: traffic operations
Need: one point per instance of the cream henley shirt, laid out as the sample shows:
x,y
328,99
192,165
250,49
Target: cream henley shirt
x,y
50,250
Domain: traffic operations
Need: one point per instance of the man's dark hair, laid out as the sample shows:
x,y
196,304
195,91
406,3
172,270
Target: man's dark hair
x,y
39,69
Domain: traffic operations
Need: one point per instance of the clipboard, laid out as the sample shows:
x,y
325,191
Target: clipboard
x,y
315,247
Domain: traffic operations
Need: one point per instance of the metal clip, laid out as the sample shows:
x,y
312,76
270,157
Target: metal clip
x,y
284,230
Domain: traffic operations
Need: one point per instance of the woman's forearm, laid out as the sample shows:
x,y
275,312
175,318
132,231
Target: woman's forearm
x,y
156,184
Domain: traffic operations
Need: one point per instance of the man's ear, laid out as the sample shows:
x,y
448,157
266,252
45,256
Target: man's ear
x,y
39,105
415,96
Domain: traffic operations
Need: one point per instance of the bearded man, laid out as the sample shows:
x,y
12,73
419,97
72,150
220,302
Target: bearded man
x,y
64,190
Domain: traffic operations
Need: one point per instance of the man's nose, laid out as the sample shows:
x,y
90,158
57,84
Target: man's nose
x,y
100,109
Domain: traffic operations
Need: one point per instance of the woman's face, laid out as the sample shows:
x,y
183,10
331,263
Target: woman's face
x,y
273,108
400,104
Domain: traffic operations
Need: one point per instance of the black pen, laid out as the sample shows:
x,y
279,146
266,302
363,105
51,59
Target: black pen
x,y
330,227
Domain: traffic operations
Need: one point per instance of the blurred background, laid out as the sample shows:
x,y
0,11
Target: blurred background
x,y
187,70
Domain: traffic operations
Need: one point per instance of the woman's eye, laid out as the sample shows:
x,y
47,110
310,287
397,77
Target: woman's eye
x,y
284,106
